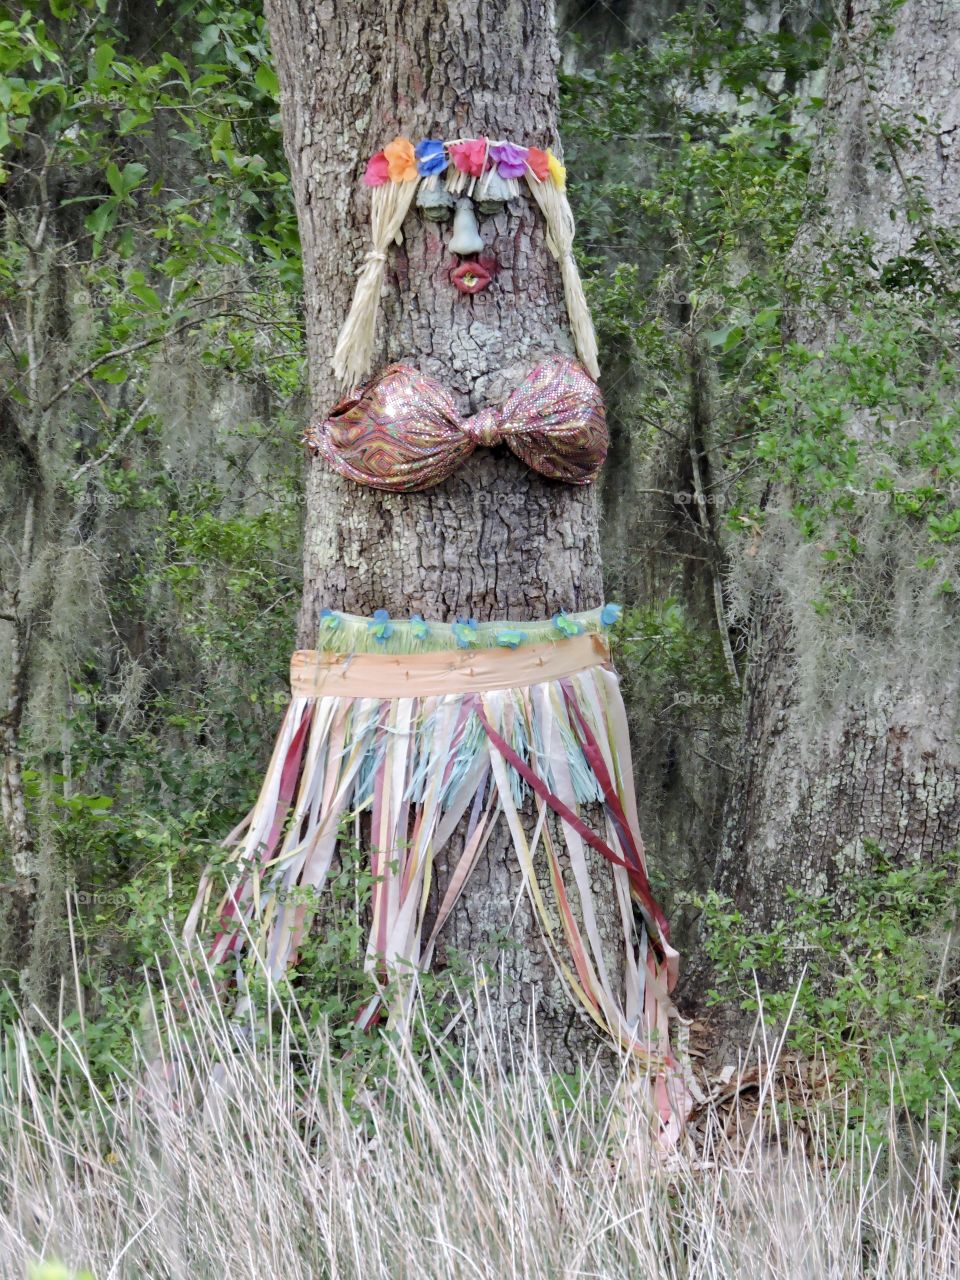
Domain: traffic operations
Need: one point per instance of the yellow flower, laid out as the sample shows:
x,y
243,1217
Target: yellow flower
x,y
557,172
401,160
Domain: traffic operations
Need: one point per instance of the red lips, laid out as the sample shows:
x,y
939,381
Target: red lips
x,y
471,276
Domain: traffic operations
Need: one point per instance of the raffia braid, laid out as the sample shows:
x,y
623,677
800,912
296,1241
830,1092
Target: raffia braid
x,y
390,204
560,228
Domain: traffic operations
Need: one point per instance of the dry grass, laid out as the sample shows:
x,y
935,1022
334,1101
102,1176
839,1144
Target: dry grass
x,y
498,1176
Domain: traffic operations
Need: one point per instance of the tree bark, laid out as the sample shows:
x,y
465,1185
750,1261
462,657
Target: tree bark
x,y
495,540
852,744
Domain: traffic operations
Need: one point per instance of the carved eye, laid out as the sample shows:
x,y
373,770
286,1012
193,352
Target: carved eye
x,y
492,193
435,203
489,207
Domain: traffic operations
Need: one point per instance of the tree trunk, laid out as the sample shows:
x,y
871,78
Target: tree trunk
x,y
495,541
850,719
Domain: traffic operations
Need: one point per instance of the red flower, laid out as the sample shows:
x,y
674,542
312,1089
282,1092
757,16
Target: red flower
x,y
539,162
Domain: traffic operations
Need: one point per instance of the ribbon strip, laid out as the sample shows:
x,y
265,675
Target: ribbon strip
x,y
639,884
314,673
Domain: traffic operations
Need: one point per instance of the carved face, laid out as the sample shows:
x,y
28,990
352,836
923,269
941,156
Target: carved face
x,y
474,265
466,180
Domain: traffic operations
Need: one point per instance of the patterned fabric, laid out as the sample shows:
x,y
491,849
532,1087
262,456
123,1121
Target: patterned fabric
x,y
402,430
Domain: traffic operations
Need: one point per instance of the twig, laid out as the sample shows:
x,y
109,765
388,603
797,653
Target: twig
x,y
129,349
114,444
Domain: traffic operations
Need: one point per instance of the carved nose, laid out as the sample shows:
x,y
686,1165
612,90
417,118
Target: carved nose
x,y
466,235
484,428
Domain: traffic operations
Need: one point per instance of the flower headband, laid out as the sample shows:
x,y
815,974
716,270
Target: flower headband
x,y
473,165
464,158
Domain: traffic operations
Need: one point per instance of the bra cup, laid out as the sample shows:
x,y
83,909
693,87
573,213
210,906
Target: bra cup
x,y
401,433
555,422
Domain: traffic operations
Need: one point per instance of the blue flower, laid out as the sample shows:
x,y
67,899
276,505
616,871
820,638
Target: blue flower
x,y
431,157
510,639
464,632
566,626
329,619
609,614
418,628
381,626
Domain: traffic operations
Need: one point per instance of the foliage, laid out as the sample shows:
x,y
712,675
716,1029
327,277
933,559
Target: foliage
x,y
871,989
671,662
689,157
138,922
150,272
693,153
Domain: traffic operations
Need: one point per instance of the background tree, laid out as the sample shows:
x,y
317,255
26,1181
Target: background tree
x,y
692,141
850,748
150,370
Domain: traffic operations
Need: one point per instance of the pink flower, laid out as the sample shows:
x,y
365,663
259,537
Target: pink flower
x,y
469,157
511,161
378,170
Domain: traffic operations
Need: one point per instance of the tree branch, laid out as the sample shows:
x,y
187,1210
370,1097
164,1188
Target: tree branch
x,y
115,444
119,352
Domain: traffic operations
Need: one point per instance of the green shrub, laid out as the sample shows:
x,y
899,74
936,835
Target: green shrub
x,y
871,986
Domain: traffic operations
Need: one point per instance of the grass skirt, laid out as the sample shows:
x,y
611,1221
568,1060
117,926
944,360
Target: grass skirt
x,y
429,729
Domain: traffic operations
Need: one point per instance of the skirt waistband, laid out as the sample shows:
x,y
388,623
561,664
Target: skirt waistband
x,y
316,674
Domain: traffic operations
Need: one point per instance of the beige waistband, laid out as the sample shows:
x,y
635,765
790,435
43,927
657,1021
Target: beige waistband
x,y
414,675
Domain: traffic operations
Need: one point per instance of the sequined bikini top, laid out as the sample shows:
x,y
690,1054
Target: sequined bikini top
x,y
402,431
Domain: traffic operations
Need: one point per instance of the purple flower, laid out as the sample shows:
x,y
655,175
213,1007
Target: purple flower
x,y
431,157
511,161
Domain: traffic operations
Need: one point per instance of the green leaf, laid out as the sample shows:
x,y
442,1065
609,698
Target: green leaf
x,y
221,137
716,337
266,80
103,60
112,371
211,36
168,60
130,120
147,296
133,175
102,218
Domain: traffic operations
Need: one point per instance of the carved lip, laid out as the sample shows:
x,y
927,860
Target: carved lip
x,y
471,276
